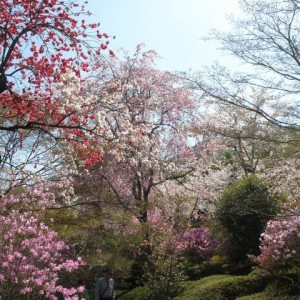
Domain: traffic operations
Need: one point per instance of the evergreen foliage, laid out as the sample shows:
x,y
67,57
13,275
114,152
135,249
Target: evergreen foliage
x,y
243,210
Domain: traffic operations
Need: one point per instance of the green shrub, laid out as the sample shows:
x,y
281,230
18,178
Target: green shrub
x,y
263,296
284,284
243,210
139,293
197,271
222,287
255,286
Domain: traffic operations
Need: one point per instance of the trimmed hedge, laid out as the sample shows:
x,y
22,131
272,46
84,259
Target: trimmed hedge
x,y
264,296
255,286
139,293
222,287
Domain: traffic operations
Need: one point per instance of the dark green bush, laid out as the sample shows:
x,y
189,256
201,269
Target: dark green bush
x,y
243,210
284,284
198,271
279,288
263,296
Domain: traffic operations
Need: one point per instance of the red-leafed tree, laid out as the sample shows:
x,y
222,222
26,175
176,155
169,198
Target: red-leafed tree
x,y
45,45
41,41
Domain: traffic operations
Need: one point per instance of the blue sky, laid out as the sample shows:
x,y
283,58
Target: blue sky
x,y
171,27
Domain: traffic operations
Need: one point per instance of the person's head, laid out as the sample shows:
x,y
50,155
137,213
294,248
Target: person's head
x,y
108,273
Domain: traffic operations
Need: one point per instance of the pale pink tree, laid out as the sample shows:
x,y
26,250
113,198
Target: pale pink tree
x,y
144,116
283,177
146,141
249,139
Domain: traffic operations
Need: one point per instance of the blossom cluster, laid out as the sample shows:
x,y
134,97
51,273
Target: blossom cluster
x,y
280,243
286,174
198,240
31,254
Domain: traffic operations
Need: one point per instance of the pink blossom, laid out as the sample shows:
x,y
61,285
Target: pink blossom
x,y
280,243
31,254
198,240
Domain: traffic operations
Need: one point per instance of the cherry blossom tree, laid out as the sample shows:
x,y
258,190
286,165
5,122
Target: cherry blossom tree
x,y
146,141
250,141
144,115
284,177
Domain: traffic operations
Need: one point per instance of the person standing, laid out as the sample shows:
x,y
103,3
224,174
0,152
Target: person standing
x,y
105,287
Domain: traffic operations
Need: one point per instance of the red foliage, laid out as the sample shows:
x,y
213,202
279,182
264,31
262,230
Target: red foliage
x,y
40,41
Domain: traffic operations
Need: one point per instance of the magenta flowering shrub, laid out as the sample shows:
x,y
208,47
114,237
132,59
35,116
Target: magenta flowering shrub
x,y
280,244
31,254
199,241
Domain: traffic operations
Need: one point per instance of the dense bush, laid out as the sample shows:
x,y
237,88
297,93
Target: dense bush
x,y
197,244
243,210
280,244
